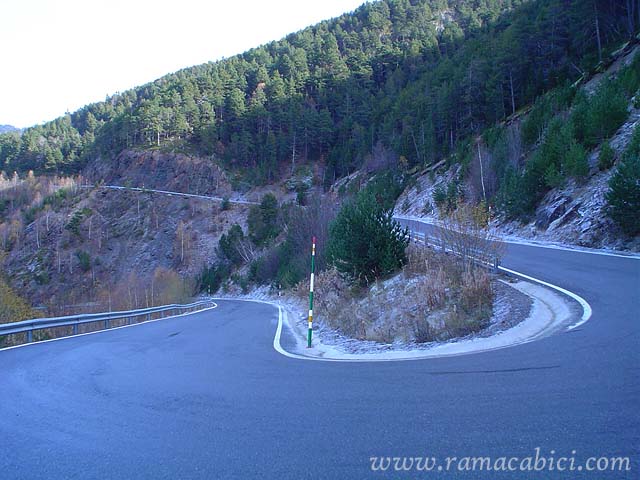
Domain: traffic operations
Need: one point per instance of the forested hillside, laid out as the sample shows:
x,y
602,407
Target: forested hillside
x,y
412,76
512,106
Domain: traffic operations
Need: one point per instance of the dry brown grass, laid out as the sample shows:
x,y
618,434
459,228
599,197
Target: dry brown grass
x,y
437,297
475,291
432,289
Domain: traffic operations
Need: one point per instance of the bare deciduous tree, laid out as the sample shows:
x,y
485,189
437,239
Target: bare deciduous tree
x,y
465,233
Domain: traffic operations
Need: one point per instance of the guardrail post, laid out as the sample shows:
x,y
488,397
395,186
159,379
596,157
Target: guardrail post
x,y
29,336
75,329
106,324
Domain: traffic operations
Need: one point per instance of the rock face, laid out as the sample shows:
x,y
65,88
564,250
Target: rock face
x,y
125,238
554,210
576,214
165,171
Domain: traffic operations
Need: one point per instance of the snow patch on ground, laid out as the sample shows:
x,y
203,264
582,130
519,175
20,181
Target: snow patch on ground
x,y
549,313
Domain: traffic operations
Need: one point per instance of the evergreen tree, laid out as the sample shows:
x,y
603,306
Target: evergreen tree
x,y
263,220
365,242
624,195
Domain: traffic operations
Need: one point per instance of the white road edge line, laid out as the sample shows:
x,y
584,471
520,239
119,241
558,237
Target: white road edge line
x,y
533,243
215,305
282,315
586,315
587,311
586,308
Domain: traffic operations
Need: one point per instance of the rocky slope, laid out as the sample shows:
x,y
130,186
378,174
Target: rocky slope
x,y
573,214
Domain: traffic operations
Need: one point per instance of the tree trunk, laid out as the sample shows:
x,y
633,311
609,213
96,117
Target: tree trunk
x,y
630,17
513,98
595,9
484,193
293,154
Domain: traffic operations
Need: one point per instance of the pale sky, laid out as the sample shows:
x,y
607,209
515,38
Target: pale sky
x,y
59,55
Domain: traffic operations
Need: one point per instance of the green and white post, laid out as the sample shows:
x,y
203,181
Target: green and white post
x,y
313,263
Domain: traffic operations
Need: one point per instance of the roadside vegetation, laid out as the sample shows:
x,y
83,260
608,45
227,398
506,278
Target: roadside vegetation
x,y
435,296
341,117
564,126
624,188
12,309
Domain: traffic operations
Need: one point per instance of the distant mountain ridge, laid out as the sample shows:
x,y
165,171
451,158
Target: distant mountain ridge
x,y
8,128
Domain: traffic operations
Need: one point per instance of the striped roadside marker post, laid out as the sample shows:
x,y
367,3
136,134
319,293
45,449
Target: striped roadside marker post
x,y
313,261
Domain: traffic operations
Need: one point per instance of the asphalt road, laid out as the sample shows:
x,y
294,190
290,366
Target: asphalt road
x,y
206,396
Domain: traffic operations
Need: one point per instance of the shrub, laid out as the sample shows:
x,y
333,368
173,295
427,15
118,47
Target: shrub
x,y
606,156
633,148
453,194
365,242
301,193
13,309
457,324
559,155
465,233
543,112
42,277
385,188
476,295
263,220
598,117
76,219
447,199
212,277
624,195
84,259
575,162
514,198
629,77
552,177
295,253
229,244
241,281
433,289
440,197
264,270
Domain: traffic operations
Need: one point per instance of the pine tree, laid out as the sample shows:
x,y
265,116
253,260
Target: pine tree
x,y
364,240
624,195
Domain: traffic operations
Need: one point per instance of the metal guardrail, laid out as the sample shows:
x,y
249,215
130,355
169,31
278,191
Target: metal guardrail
x,y
29,326
476,255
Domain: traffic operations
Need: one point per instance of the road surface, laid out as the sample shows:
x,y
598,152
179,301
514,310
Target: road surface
x,y
206,396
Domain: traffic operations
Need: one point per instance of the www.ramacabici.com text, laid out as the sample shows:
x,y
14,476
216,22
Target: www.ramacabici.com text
x,y
538,461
